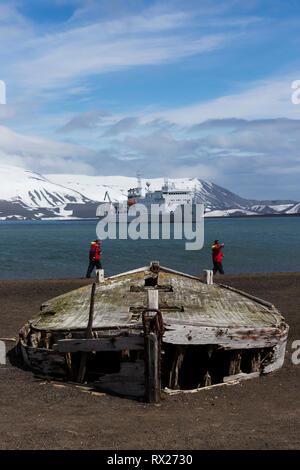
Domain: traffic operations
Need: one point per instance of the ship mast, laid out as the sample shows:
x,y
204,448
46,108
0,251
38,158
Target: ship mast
x,y
165,187
139,179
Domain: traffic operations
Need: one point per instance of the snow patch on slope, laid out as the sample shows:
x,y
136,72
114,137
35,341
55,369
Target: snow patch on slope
x,y
34,190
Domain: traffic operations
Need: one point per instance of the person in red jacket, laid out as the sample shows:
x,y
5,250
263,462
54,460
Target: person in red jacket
x,y
94,256
217,257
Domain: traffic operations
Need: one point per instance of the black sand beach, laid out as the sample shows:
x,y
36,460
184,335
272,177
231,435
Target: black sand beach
x,y
262,413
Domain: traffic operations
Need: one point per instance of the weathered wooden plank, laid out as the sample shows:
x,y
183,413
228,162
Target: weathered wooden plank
x,y
82,366
134,342
228,338
172,271
232,380
112,333
241,376
129,381
126,273
249,296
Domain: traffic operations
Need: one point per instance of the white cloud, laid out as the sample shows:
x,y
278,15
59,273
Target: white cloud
x,y
37,153
264,99
38,60
56,66
88,120
121,126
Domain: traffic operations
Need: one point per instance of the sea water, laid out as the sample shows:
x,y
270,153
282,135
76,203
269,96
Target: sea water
x,y
59,249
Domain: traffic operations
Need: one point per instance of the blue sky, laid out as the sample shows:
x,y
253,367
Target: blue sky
x,y
171,88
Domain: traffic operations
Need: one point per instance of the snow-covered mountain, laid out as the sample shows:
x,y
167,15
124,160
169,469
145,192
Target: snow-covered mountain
x,y
33,189
28,195
24,194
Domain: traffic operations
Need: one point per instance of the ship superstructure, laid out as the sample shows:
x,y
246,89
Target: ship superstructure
x,y
168,197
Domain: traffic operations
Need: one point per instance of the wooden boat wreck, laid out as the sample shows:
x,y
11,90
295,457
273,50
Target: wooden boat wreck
x,y
154,329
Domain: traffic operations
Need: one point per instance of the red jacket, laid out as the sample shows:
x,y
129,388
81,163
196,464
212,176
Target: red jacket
x,y
95,251
217,254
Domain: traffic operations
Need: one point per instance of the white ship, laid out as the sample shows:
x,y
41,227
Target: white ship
x,y
168,198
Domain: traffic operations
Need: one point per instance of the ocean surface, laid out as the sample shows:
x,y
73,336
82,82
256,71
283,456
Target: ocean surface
x,y
59,249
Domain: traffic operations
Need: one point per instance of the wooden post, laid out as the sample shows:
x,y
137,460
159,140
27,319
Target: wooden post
x,y
68,357
48,340
2,353
177,363
235,362
100,275
207,380
255,361
152,351
208,276
88,334
152,299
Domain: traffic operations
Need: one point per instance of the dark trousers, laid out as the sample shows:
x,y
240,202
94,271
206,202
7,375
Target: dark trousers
x,y
218,267
92,264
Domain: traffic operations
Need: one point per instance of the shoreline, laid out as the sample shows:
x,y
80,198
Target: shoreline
x,y
87,219
217,277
